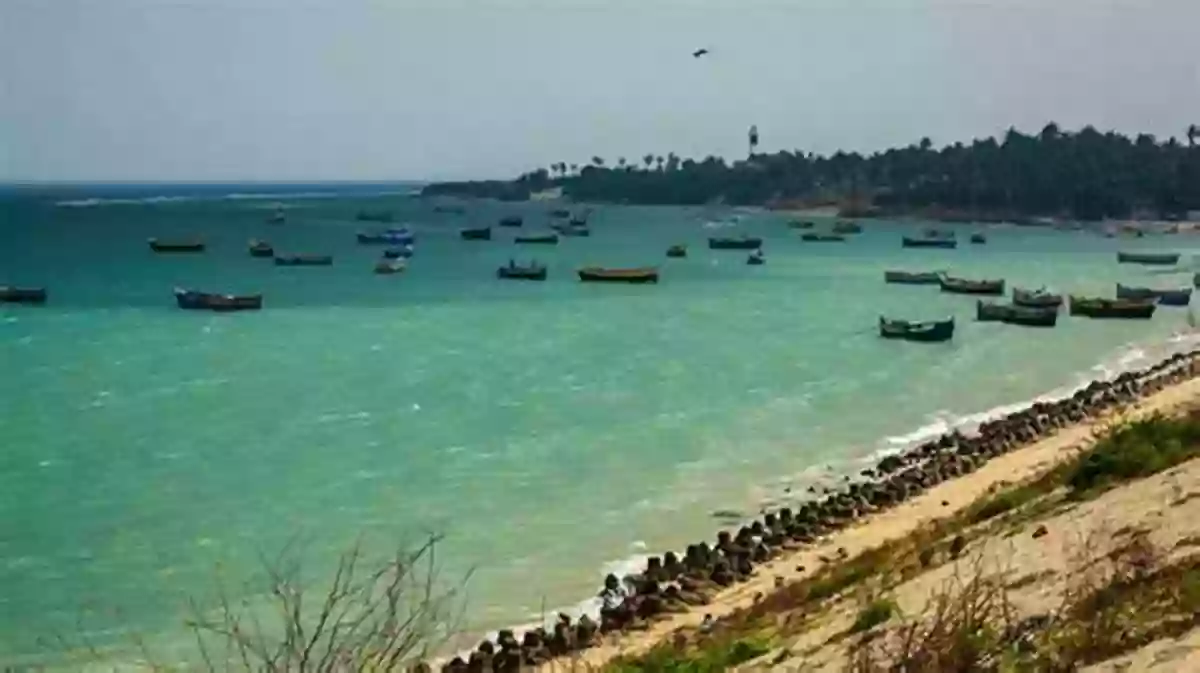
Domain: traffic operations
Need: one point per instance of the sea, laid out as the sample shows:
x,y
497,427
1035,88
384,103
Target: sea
x,y
153,460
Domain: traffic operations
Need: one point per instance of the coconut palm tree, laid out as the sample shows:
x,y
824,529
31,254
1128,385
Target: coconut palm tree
x,y
648,160
621,162
598,162
659,160
1192,133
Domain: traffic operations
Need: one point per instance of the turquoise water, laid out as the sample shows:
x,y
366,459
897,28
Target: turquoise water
x,y
550,430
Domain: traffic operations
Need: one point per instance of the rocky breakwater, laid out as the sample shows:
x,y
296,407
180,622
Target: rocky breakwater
x,y
671,583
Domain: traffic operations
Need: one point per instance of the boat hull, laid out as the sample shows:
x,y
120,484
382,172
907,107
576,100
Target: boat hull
x,y
22,295
928,332
912,278
1120,309
1016,315
734,243
637,276
972,287
1153,259
206,301
304,260
947,243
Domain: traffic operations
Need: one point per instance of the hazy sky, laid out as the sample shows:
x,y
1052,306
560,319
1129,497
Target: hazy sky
x,y
411,89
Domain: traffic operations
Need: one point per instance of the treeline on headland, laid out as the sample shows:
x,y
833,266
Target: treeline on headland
x,y
1086,175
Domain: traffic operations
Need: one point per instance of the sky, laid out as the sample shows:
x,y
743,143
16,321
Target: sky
x,y
276,90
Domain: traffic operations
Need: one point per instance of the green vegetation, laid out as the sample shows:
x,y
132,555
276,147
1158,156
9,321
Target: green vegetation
x,y
1086,174
1136,450
874,613
712,657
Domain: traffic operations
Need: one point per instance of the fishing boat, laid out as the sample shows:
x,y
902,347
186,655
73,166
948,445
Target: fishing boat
x,y
595,274
1090,307
756,258
398,236
303,260
1152,258
1176,297
477,234
823,238
912,277
539,239
511,221
677,251
847,227
978,239
381,216
513,271
908,242
260,248
743,243
398,253
278,217
22,295
800,224
387,266
1016,315
194,300
175,246
1039,298
929,332
964,286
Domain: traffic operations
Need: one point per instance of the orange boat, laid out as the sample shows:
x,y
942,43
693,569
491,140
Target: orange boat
x,y
597,274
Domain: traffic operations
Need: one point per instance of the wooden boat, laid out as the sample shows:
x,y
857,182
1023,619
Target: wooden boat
x,y
398,253
743,243
260,248
1153,258
193,300
756,258
964,286
514,271
929,332
800,224
909,242
912,277
477,234
175,246
595,274
823,238
1089,307
846,227
1016,315
390,266
388,237
373,216
540,239
1039,298
303,260
1178,297
511,221
978,239
22,295
677,251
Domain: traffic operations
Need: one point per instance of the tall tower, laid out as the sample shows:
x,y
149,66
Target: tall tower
x,y
753,138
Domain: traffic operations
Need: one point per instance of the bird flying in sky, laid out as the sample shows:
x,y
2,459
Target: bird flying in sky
x,y
699,52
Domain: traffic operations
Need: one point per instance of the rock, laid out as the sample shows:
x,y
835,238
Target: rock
x,y
1040,531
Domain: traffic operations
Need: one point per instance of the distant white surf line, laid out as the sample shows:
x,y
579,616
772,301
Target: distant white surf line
x,y
231,196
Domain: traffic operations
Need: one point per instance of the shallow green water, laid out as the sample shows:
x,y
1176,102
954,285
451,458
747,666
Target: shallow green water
x,y
550,430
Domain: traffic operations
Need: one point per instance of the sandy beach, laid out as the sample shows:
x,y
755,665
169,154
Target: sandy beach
x,y
941,501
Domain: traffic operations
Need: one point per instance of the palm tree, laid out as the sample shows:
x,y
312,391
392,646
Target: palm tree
x,y
1192,133
598,162
574,168
926,144
659,160
672,161
621,162
648,160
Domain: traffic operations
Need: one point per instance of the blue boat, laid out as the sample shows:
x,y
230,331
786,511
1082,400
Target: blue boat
x,y
400,236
